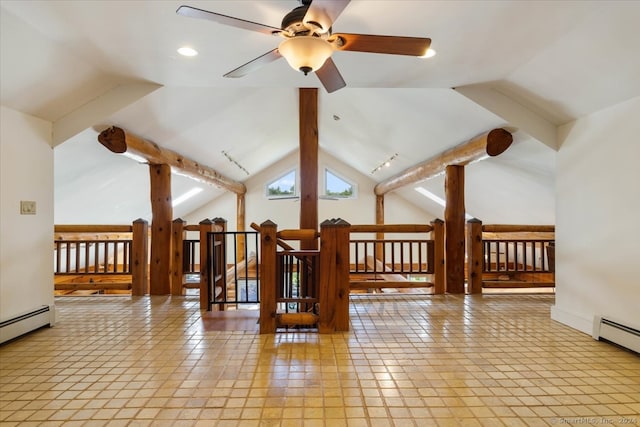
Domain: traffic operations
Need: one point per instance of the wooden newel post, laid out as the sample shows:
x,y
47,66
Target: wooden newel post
x,y
206,226
177,256
140,258
475,256
220,225
268,276
333,298
437,235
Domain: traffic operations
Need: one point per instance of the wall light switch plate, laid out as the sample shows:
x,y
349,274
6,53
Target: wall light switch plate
x,y
27,207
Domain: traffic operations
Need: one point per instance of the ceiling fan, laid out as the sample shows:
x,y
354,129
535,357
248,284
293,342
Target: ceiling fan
x,y
309,42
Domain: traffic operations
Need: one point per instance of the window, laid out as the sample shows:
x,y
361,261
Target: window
x,y
284,186
337,187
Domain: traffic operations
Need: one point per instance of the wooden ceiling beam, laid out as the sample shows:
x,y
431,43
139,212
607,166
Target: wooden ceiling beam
x,y
492,143
120,141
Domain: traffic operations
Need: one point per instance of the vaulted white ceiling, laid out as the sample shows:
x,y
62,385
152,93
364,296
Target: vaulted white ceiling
x,y
530,66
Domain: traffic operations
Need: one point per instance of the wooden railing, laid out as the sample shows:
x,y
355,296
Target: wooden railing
x,y
187,253
305,288
101,258
402,263
110,258
510,256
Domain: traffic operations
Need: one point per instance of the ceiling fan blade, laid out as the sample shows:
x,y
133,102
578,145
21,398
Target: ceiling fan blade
x,y
330,77
254,64
193,12
323,13
412,46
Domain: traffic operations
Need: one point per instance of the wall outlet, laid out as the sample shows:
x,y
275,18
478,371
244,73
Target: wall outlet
x,y
27,207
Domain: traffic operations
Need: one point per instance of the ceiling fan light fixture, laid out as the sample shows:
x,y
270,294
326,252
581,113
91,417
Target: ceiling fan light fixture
x,y
305,53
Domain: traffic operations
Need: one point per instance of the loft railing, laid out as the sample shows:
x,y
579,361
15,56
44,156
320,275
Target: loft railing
x,y
101,258
510,256
380,263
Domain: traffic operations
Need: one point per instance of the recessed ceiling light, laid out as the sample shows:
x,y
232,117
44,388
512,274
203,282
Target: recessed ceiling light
x,y
187,51
429,53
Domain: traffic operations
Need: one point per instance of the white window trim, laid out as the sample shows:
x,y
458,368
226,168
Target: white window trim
x,y
296,187
342,177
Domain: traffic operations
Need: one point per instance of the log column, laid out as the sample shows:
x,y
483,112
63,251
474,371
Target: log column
x,y
309,163
379,221
454,228
240,226
162,213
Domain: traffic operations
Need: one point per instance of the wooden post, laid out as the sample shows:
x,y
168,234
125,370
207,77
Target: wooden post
x,y
140,258
240,226
308,163
454,228
342,233
379,221
268,279
206,225
162,213
333,297
177,256
220,224
437,235
475,256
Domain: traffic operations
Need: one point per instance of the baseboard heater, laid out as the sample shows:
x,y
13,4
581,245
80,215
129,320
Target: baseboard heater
x,y
626,336
27,322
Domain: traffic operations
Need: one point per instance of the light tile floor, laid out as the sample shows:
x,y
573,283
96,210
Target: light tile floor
x,y
409,360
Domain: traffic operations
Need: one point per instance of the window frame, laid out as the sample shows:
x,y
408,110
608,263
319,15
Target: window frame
x,y
278,178
354,186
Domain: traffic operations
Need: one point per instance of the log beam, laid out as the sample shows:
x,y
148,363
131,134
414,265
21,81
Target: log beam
x,y
492,143
120,141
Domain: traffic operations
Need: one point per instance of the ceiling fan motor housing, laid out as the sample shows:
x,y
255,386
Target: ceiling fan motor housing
x,y
293,22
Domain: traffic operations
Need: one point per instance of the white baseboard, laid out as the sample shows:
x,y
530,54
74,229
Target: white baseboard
x,y
574,321
27,322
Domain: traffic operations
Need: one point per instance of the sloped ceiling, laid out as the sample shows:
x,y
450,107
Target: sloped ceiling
x,y
554,61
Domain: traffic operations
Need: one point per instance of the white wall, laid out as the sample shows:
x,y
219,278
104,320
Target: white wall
x,y
286,213
598,208
26,252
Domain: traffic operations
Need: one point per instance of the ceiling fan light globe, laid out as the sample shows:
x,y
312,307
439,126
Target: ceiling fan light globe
x,y
305,53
